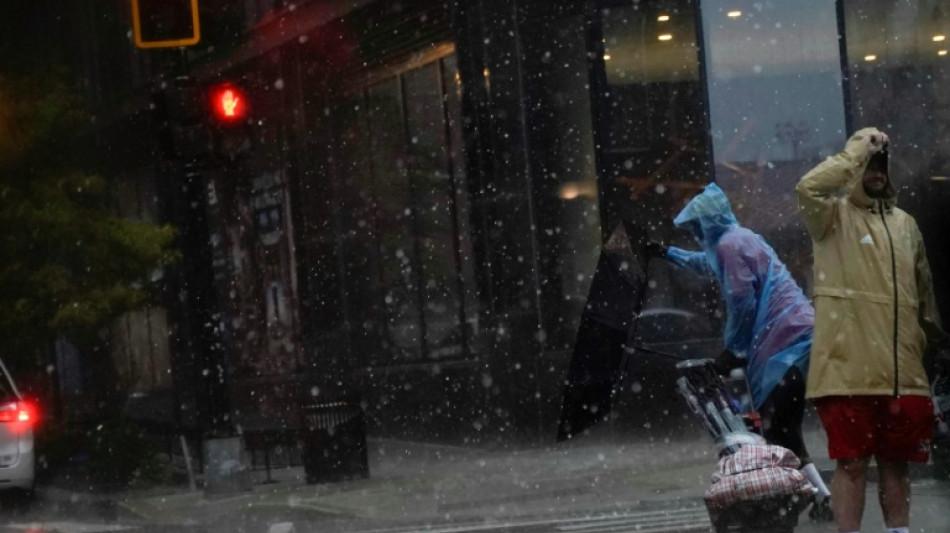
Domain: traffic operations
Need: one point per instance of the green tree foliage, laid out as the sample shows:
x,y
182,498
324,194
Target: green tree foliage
x,y
68,263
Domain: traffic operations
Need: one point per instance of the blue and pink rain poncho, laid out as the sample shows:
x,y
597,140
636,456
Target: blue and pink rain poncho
x,y
770,321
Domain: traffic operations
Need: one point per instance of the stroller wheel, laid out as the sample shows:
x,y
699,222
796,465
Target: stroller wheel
x,y
820,511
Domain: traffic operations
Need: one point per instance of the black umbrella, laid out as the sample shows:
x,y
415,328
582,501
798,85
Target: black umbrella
x,y
613,304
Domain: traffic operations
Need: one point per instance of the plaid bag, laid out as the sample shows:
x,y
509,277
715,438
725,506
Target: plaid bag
x,y
757,472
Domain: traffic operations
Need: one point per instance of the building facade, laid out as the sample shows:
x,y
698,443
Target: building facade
x,y
414,208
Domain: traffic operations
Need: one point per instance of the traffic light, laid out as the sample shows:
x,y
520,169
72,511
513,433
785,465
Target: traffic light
x,y
197,122
165,23
180,113
228,104
229,113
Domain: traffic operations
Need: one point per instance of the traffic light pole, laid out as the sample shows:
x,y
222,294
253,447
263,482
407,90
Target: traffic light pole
x,y
213,375
202,349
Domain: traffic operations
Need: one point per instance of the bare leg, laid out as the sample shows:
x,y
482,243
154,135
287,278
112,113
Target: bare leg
x,y
847,492
894,492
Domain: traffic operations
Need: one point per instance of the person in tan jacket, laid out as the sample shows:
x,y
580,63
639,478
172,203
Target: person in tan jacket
x,y
875,315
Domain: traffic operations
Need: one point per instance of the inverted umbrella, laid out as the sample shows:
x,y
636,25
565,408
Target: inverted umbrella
x,y
613,304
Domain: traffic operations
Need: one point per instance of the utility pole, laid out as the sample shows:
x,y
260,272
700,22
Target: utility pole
x,y
186,150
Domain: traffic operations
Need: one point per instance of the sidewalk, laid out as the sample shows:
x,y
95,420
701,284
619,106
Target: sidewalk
x,y
412,483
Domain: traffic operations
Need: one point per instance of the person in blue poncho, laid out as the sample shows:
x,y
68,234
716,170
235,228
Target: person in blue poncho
x,y
769,320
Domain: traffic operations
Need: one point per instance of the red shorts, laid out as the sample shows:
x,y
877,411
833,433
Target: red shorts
x,y
886,427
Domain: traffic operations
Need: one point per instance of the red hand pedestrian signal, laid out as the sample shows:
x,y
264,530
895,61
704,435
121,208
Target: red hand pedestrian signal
x,y
228,104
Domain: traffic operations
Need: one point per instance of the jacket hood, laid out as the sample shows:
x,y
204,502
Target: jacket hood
x,y
858,196
712,211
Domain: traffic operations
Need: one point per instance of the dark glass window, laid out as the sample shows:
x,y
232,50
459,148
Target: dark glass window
x,y
459,206
776,110
391,190
652,133
432,202
898,68
407,252
562,164
358,247
650,64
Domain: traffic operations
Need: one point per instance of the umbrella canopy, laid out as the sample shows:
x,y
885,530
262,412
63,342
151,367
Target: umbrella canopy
x,y
613,304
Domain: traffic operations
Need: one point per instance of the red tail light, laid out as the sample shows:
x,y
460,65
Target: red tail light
x,y
18,412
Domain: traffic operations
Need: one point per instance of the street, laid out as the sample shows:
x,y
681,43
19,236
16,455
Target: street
x,y
604,483
47,515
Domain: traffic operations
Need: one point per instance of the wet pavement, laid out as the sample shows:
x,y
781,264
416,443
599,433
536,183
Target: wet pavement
x,y
599,484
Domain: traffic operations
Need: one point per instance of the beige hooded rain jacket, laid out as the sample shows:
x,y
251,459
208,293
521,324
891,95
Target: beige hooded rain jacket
x,y
874,304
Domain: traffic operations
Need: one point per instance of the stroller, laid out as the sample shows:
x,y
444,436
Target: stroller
x,y
609,318
757,487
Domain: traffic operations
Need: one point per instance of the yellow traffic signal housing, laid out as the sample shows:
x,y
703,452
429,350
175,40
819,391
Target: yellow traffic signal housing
x,y
165,23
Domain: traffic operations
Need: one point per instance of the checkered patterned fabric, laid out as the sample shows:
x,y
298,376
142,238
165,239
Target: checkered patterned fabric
x,y
757,472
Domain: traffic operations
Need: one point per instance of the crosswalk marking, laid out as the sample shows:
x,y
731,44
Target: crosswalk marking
x,y
655,516
68,527
653,521
645,521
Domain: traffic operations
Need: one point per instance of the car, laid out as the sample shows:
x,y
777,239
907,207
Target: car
x,y
681,333
18,418
647,396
